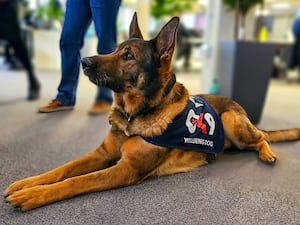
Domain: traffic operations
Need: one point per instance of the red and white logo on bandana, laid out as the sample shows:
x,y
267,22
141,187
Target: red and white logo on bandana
x,y
194,121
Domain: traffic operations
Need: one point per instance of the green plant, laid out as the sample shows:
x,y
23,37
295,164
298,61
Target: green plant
x,y
241,9
51,11
160,8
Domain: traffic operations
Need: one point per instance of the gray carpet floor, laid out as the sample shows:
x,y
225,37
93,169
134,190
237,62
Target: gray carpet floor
x,y
237,188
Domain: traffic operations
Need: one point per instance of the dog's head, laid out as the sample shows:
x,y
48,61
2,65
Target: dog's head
x,y
136,65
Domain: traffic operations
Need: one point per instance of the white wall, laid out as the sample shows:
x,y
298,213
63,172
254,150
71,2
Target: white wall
x,y
46,49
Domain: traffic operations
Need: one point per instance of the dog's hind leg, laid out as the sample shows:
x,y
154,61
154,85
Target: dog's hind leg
x,y
243,134
105,155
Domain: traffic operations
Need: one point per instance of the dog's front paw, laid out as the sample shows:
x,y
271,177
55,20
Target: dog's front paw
x,y
31,198
27,199
19,185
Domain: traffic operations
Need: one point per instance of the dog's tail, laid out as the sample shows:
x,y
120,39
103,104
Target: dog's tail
x,y
282,135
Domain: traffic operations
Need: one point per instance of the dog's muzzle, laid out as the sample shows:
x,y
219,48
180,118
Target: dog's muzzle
x,y
90,69
88,65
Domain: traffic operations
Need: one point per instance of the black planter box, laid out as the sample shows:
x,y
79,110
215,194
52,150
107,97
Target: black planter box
x,y
245,71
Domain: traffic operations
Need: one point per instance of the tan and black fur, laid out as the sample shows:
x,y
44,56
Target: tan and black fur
x,y
147,98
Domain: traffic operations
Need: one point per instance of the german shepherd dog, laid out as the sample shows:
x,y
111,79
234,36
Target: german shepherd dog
x,y
147,100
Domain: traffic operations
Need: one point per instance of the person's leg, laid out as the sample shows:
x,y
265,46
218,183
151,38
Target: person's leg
x,y
77,19
292,58
187,56
293,64
14,37
105,14
7,55
22,53
298,57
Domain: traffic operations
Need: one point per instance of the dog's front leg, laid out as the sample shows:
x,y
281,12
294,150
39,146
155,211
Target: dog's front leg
x,y
113,177
105,155
138,160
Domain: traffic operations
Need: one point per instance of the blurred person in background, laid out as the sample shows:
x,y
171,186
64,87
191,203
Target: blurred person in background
x,y
78,16
184,48
10,31
294,58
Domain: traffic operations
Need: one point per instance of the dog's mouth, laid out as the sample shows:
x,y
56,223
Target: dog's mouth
x,y
100,79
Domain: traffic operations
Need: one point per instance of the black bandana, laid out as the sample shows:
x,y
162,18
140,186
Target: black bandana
x,y
198,128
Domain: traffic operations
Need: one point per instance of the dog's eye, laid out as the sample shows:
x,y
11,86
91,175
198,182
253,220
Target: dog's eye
x,y
127,56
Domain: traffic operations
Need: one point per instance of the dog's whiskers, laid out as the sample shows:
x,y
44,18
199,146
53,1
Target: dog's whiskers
x,y
99,79
102,78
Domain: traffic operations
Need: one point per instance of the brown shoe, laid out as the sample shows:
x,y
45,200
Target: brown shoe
x,y
99,108
54,106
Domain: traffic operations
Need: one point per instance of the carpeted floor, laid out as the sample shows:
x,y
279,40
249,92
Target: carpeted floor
x,y
235,189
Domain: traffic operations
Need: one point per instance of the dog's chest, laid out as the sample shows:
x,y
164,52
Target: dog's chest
x,y
197,128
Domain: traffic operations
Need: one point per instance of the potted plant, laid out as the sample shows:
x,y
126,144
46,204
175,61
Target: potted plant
x,y
160,8
241,9
245,66
50,14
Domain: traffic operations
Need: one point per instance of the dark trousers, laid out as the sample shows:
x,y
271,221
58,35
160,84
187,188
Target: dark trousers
x,y
294,57
10,31
78,17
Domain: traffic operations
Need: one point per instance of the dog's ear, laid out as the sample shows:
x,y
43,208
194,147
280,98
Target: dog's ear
x,y
134,30
165,40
